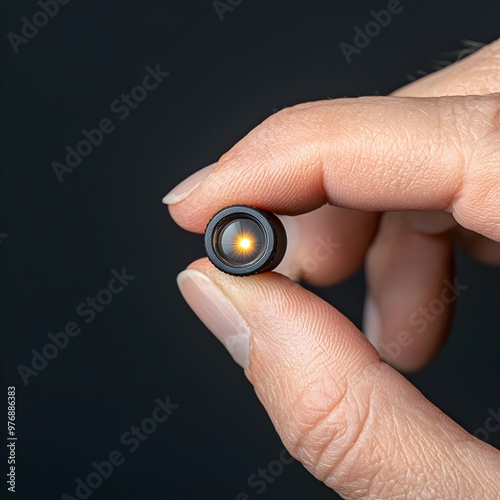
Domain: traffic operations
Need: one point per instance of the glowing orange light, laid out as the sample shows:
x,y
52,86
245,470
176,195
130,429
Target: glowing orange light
x,y
245,243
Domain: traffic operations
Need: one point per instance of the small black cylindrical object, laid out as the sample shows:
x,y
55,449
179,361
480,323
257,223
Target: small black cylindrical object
x,y
243,240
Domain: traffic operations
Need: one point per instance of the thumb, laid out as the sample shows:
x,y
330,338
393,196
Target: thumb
x,y
353,421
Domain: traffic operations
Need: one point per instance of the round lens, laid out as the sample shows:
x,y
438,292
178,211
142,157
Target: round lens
x,y
240,241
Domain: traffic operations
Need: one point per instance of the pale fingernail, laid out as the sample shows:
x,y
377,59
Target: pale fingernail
x,y
188,185
372,323
217,312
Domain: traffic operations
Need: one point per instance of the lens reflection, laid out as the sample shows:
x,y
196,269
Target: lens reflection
x,y
240,241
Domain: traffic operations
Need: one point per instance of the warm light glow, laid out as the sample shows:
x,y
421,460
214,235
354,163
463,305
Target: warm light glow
x,y
240,241
245,243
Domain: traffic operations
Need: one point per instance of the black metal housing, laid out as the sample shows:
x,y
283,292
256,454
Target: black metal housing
x,y
274,241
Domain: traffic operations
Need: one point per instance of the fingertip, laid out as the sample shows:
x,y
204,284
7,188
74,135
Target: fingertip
x,y
185,219
187,186
215,309
202,265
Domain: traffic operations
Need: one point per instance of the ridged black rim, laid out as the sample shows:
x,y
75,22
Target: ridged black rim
x,y
274,239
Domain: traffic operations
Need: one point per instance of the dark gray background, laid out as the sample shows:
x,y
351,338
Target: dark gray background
x,y
65,238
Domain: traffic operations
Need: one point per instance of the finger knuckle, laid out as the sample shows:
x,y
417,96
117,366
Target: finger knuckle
x,y
478,200
285,125
271,141
264,143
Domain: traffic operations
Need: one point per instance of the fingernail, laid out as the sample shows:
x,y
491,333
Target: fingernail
x,y
372,322
217,312
188,185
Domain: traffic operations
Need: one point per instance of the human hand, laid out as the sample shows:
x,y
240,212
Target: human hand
x,y
395,181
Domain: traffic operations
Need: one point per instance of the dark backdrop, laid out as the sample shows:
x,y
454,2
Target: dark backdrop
x,y
60,241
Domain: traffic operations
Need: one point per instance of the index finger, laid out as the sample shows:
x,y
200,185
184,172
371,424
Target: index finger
x,y
371,154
